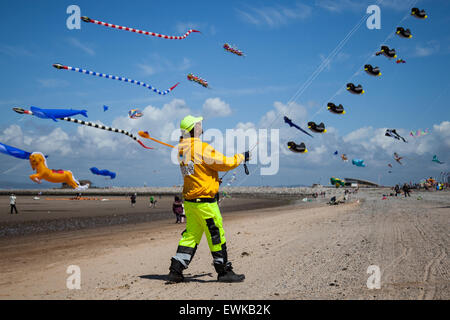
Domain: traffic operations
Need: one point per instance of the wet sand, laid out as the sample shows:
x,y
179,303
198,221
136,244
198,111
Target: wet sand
x,y
60,213
296,251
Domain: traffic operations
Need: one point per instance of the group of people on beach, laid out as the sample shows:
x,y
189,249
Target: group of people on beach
x,y
177,206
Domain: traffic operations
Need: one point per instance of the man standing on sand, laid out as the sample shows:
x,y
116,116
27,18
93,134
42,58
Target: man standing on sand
x,y
200,164
133,199
12,203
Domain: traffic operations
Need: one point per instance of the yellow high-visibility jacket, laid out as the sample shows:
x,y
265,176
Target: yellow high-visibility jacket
x,y
200,165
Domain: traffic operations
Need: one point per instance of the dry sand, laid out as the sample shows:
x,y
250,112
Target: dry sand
x,y
298,251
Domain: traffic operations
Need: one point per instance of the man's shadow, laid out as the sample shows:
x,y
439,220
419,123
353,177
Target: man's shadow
x,y
187,278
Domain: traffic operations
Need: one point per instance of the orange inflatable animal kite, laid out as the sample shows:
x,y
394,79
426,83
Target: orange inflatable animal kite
x,y
38,163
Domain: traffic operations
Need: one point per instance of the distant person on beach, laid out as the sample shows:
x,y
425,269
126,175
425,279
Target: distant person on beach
x,y
406,190
133,199
178,209
200,165
397,189
12,203
152,203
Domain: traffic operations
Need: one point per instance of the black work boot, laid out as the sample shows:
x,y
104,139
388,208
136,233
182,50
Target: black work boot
x,y
176,271
226,273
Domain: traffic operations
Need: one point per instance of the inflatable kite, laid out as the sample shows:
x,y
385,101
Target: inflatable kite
x,y
404,33
398,158
86,19
393,134
372,71
297,148
135,113
105,173
318,128
39,164
420,14
400,61
102,127
146,135
337,182
388,53
435,159
335,109
51,113
236,51
11,151
419,133
355,89
344,158
358,162
199,80
108,76
291,124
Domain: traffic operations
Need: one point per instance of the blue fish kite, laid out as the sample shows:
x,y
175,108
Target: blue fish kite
x,y
53,114
105,173
11,151
358,162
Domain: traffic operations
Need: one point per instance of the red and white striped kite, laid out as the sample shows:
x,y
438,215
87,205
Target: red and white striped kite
x,y
86,19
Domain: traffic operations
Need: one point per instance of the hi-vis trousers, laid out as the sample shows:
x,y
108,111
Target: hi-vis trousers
x,y
202,218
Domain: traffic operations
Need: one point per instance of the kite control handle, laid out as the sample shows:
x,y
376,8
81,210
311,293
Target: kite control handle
x,y
246,159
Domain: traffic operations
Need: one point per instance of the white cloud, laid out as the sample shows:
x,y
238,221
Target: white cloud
x,y
215,107
275,16
84,47
52,83
430,48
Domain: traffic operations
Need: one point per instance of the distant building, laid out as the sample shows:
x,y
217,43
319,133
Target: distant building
x,y
360,183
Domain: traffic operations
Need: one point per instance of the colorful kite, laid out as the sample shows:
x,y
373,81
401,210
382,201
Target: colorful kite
x,y
358,162
39,164
135,113
372,71
291,124
11,151
404,33
355,89
398,158
297,148
105,173
86,19
318,128
420,14
400,61
344,158
146,135
102,127
335,109
435,159
108,76
51,113
337,182
199,80
393,134
390,165
388,53
229,48
419,133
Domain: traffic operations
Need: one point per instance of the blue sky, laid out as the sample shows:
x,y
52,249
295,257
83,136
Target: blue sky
x,y
284,43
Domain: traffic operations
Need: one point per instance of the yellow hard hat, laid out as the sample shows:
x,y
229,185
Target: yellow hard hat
x,y
188,123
